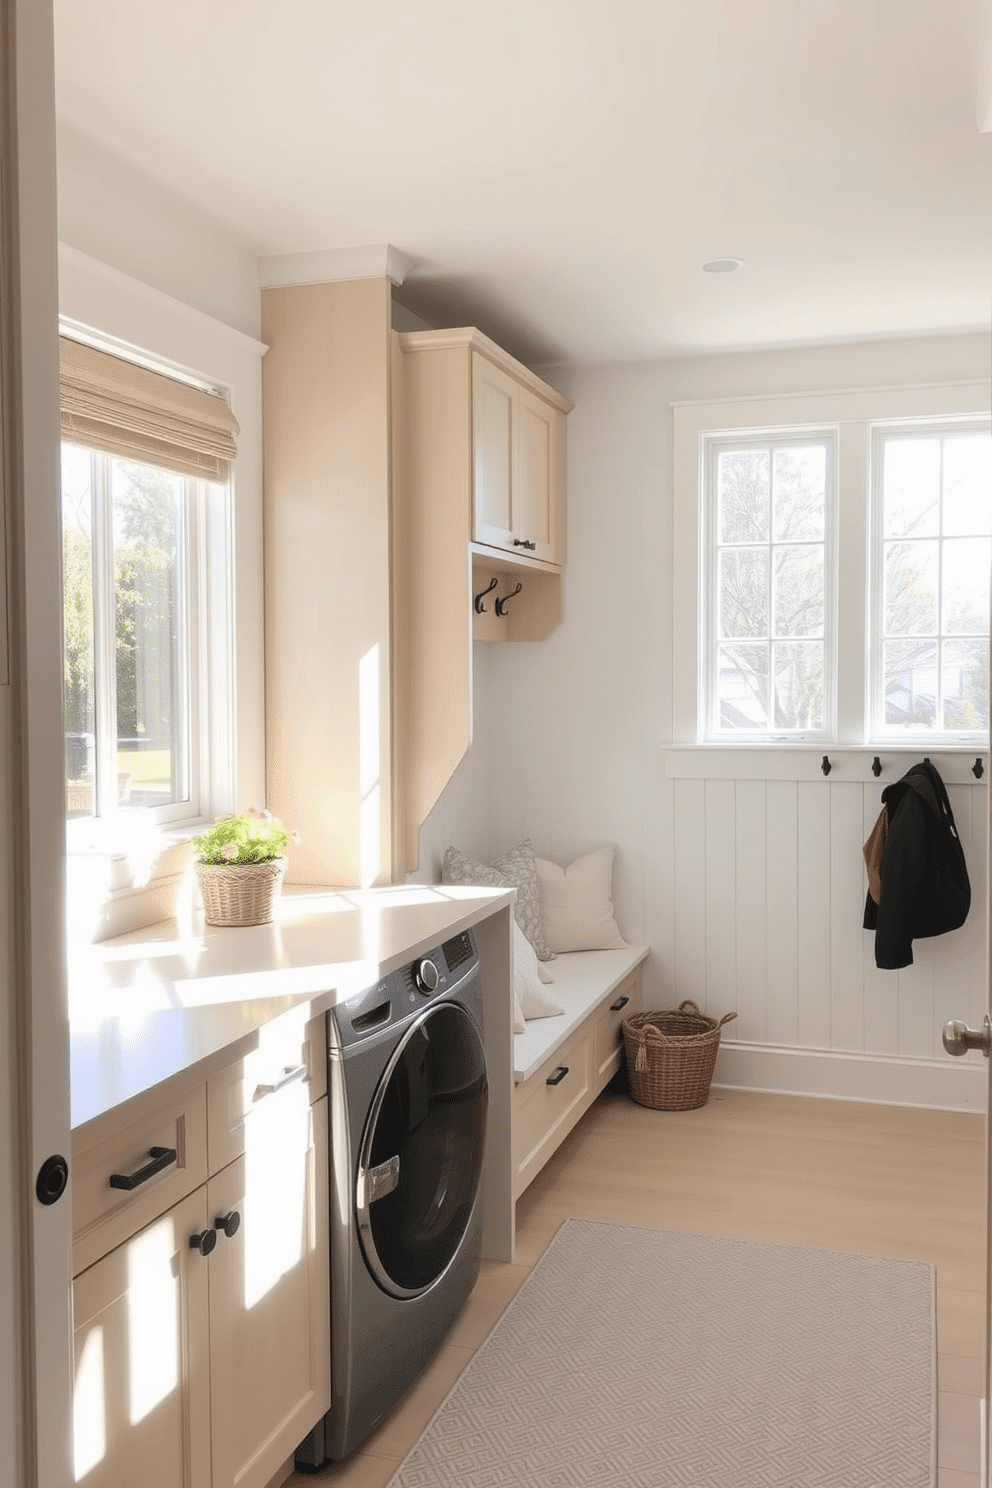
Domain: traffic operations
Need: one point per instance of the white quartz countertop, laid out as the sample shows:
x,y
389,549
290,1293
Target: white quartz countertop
x,y
183,996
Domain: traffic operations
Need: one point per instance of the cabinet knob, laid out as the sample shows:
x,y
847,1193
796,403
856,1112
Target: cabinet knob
x,y
204,1242
229,1223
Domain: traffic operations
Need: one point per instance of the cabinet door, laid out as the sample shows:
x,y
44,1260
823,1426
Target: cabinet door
x,y
538,491
269,1291
493,396
141,1393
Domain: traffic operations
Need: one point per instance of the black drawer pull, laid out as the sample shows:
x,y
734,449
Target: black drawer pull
x,y
620,1002
557,1076
524,542
161,1158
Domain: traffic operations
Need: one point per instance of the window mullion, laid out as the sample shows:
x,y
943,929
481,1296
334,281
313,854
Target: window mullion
x,y
104,639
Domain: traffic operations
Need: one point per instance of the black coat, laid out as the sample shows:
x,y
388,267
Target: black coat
x,y
925,887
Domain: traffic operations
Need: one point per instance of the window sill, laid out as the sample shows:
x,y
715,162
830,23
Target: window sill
x,y
122,875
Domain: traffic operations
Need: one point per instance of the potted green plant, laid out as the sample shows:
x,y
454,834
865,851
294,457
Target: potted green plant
x,y
240,866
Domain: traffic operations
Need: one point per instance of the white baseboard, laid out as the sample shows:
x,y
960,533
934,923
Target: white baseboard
x,y
939,1084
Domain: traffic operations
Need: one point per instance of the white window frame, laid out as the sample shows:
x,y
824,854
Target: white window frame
x,y
878,731
100,305
853,413
715,443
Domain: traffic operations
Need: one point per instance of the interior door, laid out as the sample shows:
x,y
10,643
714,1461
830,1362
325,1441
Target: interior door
x,y
35,1357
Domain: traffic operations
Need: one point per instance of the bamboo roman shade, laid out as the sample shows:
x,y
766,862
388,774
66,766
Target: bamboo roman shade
x,y
113,405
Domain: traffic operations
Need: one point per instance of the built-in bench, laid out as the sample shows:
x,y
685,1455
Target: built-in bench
x,y
561,1064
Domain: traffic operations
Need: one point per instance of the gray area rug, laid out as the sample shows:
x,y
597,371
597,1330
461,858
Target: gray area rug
x,y
638,1356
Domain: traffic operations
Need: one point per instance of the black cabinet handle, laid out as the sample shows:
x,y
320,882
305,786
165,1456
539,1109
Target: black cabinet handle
x,y
524,542
204,1242
161,1158
229,1223
620,1002
558,1075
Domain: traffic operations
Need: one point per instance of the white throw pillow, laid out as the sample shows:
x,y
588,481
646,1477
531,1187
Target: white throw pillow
x,y
577,903
530,998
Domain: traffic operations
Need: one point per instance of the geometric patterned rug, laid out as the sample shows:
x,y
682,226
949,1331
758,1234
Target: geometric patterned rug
x,y
645,1358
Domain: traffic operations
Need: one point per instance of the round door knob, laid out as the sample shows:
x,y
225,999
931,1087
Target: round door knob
x,y
958,1038
427,975
229,1223
204,1242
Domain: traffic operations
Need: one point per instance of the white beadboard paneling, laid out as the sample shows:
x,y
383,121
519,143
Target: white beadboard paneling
x,y
916,1003
847,1013
752,909
689,896
813,915
881,987
782,850
721,894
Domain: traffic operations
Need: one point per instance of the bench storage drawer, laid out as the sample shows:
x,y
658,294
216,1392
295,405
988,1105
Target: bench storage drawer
x,y
547,1106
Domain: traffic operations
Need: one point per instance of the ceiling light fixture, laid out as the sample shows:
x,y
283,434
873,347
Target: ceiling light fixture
x,y
722,265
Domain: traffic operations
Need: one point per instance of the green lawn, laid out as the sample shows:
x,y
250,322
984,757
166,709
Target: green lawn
x,y
152,767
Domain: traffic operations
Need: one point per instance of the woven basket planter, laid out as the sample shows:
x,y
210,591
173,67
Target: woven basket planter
x,y
671,1056
240,893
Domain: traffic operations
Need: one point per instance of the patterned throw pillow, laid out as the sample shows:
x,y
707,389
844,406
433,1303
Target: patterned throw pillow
x,y
516,869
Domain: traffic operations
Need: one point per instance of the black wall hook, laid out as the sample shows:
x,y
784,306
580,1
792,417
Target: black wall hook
x,y
978,769
825,764
480,608
876,767
501,604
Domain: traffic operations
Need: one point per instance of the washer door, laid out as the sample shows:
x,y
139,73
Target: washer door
x,y
421,1156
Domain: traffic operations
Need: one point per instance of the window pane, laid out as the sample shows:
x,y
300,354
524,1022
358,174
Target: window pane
x,y
800,493
967,484
966,684
798,596
911,588
910,677
966,586
911,487
77,628
743,494
743,687
798,684
743,592
149,585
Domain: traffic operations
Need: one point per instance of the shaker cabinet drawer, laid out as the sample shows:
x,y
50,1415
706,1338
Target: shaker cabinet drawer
x,y
288,1056
547,1106
625,1000
122,1181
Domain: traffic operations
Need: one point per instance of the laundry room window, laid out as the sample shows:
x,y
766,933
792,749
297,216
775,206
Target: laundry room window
x,y
769,520
932,541
144,462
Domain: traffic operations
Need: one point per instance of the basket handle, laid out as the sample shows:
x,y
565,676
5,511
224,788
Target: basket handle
x,y
688,1006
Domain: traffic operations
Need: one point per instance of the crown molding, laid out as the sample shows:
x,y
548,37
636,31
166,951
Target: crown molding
x,y
372,261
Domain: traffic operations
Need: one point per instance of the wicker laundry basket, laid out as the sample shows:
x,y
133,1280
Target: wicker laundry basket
x,y
671,1055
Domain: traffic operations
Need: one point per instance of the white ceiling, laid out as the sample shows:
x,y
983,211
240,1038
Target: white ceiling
x,y
557,170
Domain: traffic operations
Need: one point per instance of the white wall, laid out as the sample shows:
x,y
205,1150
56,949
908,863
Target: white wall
x,y
748,892
117,214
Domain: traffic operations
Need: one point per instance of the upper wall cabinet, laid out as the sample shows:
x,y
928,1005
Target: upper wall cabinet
x,y
518,437
488,437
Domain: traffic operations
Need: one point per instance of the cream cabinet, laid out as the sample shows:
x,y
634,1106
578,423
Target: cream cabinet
x,y
518,465
202,1351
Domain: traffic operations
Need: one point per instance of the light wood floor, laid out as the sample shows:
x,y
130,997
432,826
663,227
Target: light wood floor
x,y
878,1179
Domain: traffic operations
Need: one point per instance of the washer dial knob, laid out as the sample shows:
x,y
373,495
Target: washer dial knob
x,y
426,975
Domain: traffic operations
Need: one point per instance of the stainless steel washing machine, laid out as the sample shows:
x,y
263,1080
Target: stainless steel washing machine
x,y
408,1102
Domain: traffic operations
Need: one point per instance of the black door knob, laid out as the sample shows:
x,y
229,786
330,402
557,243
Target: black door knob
x,y
204,1242
229,1223
53,1175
